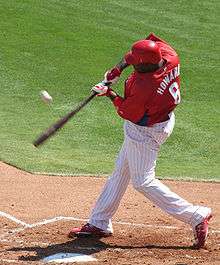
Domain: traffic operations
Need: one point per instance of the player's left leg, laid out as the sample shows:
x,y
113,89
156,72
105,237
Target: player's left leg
x,y
142,155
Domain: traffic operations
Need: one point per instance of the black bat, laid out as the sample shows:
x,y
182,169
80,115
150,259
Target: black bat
x,y
62,121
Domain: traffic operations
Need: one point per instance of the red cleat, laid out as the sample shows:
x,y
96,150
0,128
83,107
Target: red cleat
x,y
88,230
200,232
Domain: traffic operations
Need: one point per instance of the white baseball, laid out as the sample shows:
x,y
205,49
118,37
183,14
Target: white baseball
x,y
45,96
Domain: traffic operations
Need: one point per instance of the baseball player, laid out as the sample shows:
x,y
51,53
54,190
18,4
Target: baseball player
x,y
151,93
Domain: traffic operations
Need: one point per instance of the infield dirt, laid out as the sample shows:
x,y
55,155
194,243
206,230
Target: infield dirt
x,y
157,240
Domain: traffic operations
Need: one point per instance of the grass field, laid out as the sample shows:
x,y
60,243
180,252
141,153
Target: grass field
x,y
65,46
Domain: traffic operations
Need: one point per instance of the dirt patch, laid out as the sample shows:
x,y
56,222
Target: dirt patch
x,y
159,239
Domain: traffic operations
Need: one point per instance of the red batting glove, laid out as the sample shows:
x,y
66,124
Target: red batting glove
x,y
112,76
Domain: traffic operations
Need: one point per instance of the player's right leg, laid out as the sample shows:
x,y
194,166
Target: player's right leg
x,y
100,220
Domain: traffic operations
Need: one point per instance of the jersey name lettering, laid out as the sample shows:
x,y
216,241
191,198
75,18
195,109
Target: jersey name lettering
x,y
175,72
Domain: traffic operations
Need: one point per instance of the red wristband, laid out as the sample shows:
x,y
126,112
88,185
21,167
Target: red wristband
x,y
113,73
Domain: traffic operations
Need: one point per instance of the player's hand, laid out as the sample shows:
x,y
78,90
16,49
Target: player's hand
x,y
101,89
112,76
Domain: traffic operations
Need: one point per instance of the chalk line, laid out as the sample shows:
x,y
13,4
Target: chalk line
x,y
9,260
70,218
12,218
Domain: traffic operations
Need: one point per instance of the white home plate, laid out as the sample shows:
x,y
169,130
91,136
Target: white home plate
x,y
69,257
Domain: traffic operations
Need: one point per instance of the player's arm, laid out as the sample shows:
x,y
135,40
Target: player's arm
x,y
104,90
122,64
131,108
112,76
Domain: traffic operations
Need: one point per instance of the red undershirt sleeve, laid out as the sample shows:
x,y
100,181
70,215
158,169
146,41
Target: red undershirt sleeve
x,y
131,108
117,101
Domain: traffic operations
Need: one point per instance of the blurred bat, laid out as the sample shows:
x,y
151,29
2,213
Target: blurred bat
x,y
62,121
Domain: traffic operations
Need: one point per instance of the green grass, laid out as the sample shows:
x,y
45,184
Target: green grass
x,y
64,47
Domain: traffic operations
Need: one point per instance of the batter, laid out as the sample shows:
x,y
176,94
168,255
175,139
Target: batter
x,y
151,94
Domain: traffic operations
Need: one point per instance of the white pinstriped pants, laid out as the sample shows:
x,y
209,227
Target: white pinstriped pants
x,y
136,162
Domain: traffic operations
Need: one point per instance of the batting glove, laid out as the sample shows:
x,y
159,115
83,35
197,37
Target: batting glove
x,y
101,89
112,76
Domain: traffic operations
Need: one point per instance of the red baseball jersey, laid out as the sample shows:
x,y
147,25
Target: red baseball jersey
x,y
150,97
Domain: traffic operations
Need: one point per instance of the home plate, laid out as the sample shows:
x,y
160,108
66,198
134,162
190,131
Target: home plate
x,y
69,257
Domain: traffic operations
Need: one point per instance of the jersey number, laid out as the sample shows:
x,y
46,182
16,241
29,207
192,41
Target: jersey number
x,y
175,92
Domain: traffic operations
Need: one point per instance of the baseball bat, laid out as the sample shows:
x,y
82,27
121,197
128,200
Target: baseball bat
x,y
62,121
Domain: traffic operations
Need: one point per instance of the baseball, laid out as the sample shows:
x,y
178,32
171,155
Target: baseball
x,y
46,97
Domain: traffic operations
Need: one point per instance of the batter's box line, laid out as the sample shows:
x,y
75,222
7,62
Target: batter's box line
x,y
70,218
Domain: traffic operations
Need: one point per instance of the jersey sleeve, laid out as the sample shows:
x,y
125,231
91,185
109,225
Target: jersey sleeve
x,y
133,107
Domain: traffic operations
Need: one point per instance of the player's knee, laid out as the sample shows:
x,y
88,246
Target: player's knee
x,y
142,183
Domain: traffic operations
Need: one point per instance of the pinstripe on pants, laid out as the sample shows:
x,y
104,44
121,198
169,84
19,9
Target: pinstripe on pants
x,y
136,162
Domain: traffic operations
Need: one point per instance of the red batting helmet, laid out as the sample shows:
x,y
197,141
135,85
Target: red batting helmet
x,y
144,51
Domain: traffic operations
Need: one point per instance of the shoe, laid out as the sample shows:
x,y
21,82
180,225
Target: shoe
x,y
88,230
200,232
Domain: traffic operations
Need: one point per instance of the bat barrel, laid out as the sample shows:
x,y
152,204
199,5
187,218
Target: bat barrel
x,y
40,139
43,137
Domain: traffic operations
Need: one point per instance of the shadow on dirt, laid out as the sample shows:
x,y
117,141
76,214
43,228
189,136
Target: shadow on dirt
x,y
87,246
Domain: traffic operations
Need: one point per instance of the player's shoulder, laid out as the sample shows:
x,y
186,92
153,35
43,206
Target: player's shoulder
x,y
168,52
166,49
152,36
172,61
